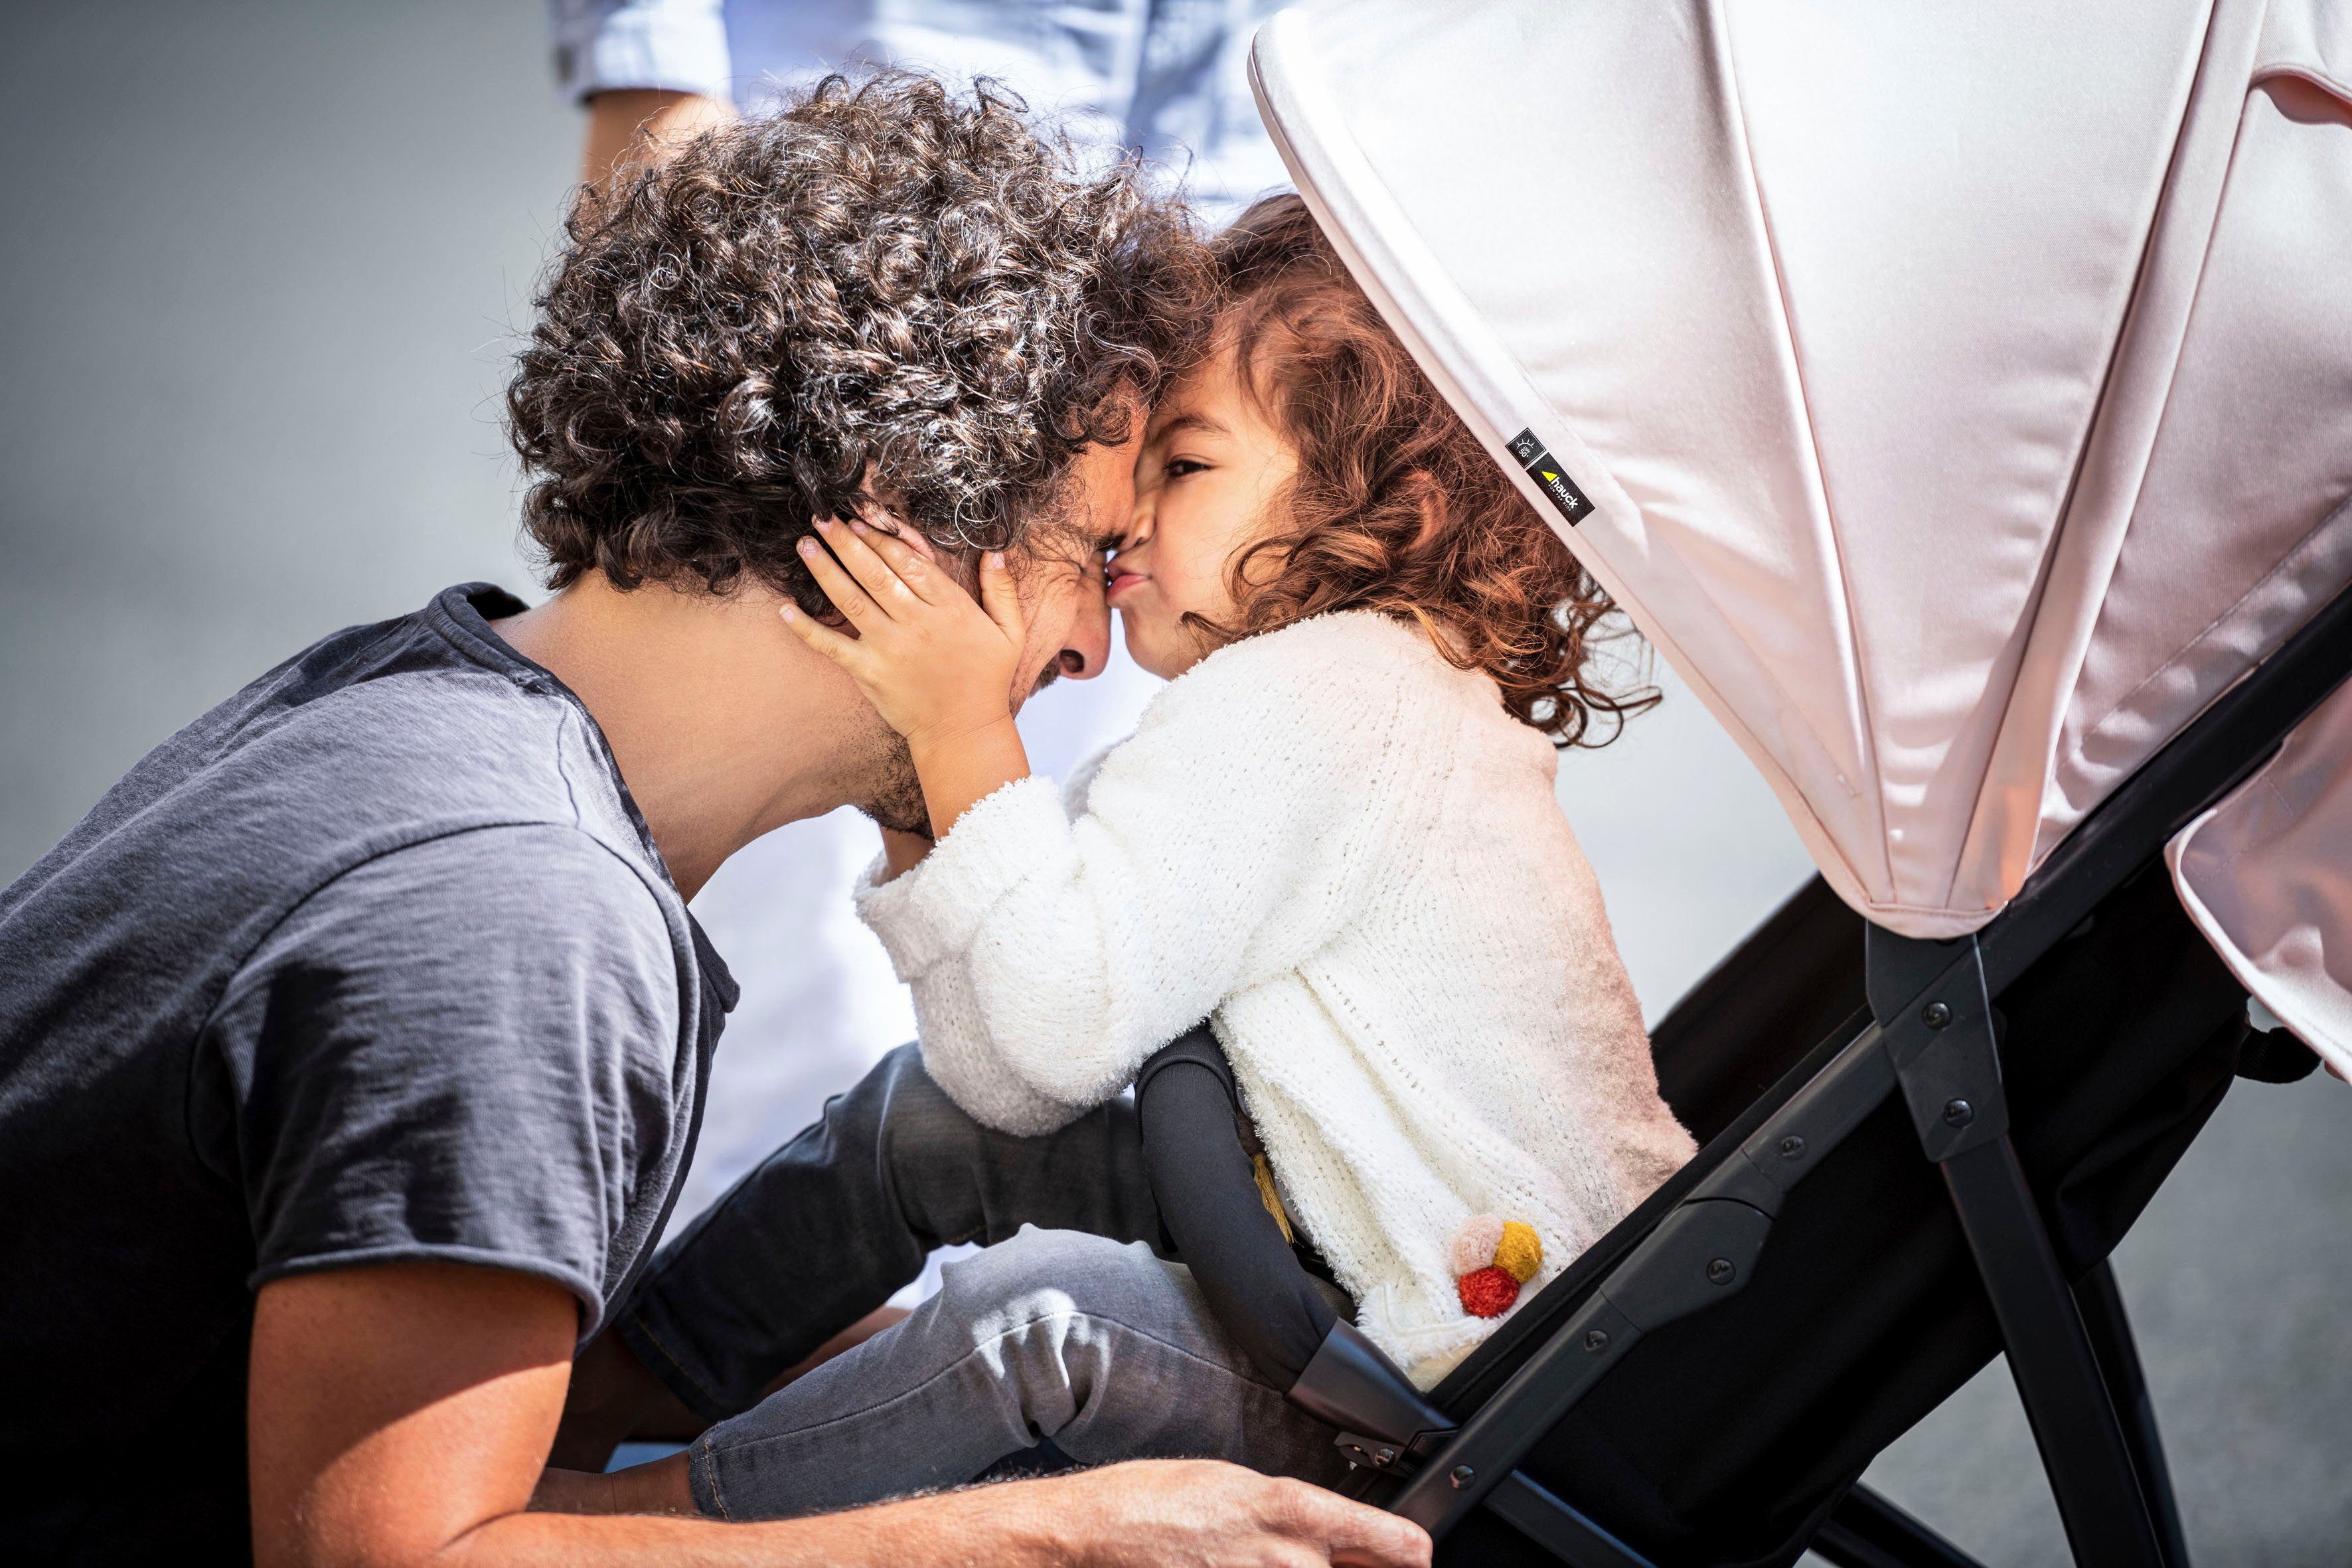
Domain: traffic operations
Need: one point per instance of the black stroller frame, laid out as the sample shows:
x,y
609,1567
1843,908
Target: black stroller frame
x,y
1932,1037
1930,1033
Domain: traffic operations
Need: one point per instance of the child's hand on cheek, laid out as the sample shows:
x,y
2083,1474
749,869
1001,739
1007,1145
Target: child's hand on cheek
x,y
938,668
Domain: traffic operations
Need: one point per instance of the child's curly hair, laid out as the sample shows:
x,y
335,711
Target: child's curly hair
x,y
1396,506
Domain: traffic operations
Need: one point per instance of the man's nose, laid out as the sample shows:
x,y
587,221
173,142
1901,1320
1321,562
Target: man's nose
x,y
1085,648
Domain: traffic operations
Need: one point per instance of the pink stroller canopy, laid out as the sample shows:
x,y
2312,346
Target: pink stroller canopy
x,y
1959,397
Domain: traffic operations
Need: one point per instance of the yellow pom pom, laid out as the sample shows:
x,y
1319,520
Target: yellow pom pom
x,y
1520,1252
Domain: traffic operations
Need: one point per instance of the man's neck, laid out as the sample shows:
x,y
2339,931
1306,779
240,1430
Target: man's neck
x,y
723,723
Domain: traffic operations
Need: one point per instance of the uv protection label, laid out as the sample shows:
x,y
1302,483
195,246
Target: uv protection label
x,y
1550,478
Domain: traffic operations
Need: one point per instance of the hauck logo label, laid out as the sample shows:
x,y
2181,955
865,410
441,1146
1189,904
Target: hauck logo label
x,y
1550,478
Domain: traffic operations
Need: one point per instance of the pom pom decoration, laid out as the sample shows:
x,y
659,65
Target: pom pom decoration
x,y
1520,1251
1492,1258
1474,1243
1488,1292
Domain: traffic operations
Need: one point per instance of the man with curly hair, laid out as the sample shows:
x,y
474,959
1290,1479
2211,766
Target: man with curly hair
x,y
352,1050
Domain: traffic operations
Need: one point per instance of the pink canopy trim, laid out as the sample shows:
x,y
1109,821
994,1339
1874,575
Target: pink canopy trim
x,y
2267,876
1959,397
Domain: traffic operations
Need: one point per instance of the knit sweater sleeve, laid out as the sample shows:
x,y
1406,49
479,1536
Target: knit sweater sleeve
x,y
1222,844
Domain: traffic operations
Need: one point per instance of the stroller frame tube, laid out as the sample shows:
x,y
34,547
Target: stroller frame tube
x,y
2059,1380
2102,1304
1942,1041
1868,1531
2078,1377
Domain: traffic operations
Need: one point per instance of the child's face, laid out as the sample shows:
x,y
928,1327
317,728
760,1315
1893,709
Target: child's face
x,y
1204,486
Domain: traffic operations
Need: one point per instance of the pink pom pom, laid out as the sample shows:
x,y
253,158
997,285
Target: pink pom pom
x,y
1474,1243
1489,1292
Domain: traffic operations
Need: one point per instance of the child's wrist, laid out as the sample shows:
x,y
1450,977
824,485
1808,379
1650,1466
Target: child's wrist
x,y
957,773
902,852
947,742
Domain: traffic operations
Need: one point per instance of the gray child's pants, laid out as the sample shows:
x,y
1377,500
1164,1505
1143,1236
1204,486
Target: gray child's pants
x,y
1066,1327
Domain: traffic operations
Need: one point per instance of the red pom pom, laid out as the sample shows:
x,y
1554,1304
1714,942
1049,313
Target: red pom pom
x,y
1488,1292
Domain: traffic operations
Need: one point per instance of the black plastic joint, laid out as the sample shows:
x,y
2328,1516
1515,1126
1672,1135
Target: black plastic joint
x,y
1939,1039
1351,1386
1743,1180
1701,1253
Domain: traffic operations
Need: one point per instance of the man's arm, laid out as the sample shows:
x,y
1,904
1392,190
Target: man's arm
x,y
399,1416
634,124
613,1398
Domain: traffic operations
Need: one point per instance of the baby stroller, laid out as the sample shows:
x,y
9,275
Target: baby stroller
x,y
1960,399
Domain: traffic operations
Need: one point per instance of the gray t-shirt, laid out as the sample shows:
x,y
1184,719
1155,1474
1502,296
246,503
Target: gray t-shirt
x,y
375,960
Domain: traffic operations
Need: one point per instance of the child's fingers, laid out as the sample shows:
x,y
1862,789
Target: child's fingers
x,y
922,578
843,651
882,584
839,586
997,595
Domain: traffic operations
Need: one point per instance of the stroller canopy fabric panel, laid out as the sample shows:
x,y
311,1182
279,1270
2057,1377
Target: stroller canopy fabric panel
x,y
2266,877
2252,397
1866,331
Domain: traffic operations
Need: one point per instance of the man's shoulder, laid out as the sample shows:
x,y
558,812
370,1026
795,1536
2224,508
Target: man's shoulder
x,y
547,879
376,736
498,919
403,720
368,743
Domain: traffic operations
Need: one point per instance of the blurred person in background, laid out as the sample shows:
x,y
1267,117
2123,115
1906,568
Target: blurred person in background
x,y
1163,80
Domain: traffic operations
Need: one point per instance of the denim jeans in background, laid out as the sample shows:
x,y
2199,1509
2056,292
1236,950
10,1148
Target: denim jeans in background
x,y
1073,1330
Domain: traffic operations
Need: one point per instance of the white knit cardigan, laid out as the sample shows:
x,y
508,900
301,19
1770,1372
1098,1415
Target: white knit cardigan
x,y
1346,854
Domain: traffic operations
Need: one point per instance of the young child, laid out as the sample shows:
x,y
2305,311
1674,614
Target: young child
x,y
1333,834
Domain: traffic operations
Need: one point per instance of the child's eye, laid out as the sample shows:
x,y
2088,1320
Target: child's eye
x,y
1178,467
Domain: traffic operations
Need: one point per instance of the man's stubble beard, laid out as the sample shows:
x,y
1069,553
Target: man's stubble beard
x,y
893,795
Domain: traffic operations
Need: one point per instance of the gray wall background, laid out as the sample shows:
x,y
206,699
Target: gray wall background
x,y
260,272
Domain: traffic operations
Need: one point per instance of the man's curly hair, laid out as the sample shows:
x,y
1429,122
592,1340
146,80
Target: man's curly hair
x,y
888,288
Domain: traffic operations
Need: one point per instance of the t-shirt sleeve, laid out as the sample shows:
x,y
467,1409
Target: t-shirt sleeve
x,y
603,45
466,1051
